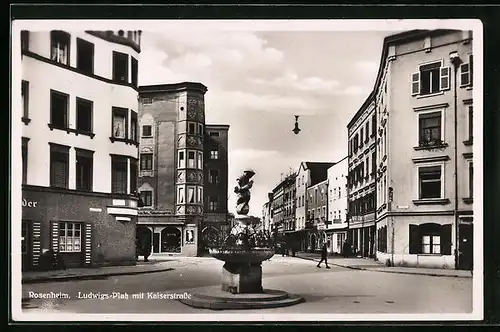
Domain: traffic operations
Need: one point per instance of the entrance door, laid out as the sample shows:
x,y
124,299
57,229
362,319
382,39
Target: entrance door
x,y
466,253
156,243
25,245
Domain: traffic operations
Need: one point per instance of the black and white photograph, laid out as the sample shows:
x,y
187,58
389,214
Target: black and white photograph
x,y
256,170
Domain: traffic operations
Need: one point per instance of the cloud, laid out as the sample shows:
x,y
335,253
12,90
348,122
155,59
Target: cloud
x,y
290,80
368,67
355,90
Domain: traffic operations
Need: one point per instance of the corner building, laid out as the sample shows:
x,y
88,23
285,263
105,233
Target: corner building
x,y
183,169
79,146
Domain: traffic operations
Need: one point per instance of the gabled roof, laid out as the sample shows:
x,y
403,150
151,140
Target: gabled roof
x,y
318,170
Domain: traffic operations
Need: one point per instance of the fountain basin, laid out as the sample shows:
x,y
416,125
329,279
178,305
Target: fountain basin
x,y
242,256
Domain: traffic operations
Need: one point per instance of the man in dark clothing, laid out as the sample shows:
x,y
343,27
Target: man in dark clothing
x,y
324,256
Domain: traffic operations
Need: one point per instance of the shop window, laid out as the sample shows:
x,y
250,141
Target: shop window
x,y
120,67
70,237
120,123
147,131
85,56
84,169
147,198
59,165
146,161
84,110
58,109
119,174
60,47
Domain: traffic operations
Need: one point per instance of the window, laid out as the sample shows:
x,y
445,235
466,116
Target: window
x,y
85,56
25,40
430,129
430,182
367,131
147,131
430,79
146,161
466,73
120,127
200,160
24,155
191,128
135,70
214,154
59,47
118,175
471,179
213,176
374,125
356,143
180,195
147,101
367,166
120,67
382,239
58,109
374,164
361,138
213,203
25,88
70,237
431,244
182,160
133,175
84,168
133,126
191,159
340,193
214,134
59,165
191,195
200,129
471,122
84,115
200,195
147,198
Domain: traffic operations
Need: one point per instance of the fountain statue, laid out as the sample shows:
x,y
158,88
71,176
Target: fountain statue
x,y
242,249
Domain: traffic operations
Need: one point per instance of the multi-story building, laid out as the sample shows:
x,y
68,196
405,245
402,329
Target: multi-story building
x,y
183,173
79,146
423,98
289,205
309,173
265,216
317,215
337,206
361,179
277,211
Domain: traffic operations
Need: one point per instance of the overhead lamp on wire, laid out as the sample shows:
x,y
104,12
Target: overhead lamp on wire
x,y
296,129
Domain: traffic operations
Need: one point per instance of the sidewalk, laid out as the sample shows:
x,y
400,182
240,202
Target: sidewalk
x,y
372,265
96,273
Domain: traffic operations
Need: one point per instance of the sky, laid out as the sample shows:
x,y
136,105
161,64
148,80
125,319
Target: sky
x,y
258,80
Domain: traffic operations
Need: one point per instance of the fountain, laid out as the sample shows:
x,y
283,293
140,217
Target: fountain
x,y
242,250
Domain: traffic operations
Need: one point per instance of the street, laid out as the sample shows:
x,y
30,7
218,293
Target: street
x,y
337,290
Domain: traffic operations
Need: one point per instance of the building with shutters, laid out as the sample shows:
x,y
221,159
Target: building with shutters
x,y
79,146
422,101
183,170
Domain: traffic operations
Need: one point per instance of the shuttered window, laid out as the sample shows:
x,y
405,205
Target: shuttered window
x,y
59,165
70,237
430,238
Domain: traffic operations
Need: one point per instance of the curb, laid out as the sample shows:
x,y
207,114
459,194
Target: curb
x,y
389,271
37,280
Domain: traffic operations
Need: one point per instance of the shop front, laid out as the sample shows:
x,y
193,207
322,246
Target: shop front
x,y
83,228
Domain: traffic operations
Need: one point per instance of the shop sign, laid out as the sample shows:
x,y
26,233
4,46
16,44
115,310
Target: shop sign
x,y
29,204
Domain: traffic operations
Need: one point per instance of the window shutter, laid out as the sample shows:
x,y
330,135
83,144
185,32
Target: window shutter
x,y
415,246
415,83
54,226
36,243
88,243
444,78
446,239
464,74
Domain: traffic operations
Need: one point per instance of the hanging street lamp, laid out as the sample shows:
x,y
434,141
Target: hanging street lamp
x,y
296,129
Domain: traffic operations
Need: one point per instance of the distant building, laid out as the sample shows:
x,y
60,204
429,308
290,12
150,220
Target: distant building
x,y
309,174
317,204
424,218
337,206
79,146
183,169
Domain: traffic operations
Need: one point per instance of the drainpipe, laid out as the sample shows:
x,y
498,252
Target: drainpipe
x,y
455,60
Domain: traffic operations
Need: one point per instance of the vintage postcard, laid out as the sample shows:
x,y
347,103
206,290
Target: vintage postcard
x,y
267,170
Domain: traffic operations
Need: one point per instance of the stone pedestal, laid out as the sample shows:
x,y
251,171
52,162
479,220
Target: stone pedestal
x,y
238,278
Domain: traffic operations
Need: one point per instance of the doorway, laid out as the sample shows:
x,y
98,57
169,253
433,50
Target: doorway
x,y
156,243
26,245
466,259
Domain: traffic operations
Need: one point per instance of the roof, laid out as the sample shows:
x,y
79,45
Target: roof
x,y
398,38
318,170
174,87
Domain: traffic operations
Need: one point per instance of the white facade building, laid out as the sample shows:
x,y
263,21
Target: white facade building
x,y
337,206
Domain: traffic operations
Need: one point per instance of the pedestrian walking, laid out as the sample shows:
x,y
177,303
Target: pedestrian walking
x,y
323,256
